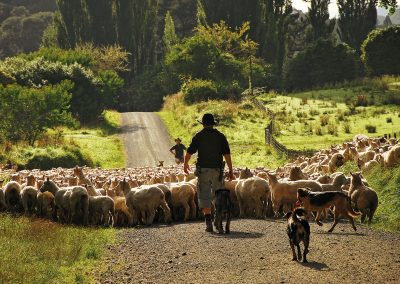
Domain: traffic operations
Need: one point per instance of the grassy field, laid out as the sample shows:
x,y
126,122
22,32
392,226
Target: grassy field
x,y
243,126
317,119
100,141
37,251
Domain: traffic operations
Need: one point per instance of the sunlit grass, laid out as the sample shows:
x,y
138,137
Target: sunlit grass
x,y
37,251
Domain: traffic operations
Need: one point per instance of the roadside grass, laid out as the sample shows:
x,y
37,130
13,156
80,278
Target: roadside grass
x,y
319,118
38,251
100,141
240,122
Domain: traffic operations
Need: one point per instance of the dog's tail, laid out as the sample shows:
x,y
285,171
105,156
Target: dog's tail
x,y
350,210
299,211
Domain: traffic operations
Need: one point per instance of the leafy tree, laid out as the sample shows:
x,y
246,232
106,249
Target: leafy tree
x,y
201,14
380,51
318,16
356,19
34,109
170,38
101,28
321,63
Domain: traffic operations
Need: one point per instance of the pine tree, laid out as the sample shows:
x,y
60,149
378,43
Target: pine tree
x,y
387,22
356,19
170,38
101,28
318,16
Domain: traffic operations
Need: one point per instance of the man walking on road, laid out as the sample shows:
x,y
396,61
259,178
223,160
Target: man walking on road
x,y
179,149
211,146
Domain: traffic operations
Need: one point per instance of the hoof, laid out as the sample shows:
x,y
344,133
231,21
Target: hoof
x,y
227,232
305,261
294,259
221,232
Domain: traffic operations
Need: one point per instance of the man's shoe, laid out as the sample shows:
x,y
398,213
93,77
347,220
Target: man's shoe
x,y
209,226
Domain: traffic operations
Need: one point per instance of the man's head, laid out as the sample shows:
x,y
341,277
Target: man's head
x,y
208,120
178,140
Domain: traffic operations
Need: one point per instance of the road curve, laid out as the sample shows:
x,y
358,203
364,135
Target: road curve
x,y
146,139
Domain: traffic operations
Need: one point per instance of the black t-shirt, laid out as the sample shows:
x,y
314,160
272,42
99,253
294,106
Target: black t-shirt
x,y
179,148
211,145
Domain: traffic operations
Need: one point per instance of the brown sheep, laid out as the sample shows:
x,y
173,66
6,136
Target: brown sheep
x,y
3,205
122,215
79,205
45,204
296,174
12,196
392,157
363,197
183,195
78,172
101,210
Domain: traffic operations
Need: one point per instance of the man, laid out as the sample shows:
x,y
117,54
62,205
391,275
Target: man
x,y
211,146
177,150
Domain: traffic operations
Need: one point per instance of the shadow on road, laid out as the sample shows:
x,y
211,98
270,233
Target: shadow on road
x,y
316,265
341,233
131,128
239,235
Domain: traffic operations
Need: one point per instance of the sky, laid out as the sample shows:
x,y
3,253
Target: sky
x,y
333,10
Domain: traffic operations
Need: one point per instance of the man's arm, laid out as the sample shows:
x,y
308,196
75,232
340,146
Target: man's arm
x,y
186,163
229,163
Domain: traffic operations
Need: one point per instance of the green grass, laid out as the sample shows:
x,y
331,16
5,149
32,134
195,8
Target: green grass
x,y
37,251
317,119
241,123
100,141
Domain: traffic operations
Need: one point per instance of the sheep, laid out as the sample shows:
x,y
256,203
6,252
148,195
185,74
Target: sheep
x,y
364,197
122,217
45,204
253,194
143,201
337,183
78,172
30,181
62,206
3,205
285,193
101,210
392,157
29,199
296,174
183,195
12,196
79,205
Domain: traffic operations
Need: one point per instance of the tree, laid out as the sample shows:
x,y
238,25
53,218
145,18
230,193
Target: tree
x,y
170,38
356,19
101,30
201,14
318,16
380,51
387,22
34,109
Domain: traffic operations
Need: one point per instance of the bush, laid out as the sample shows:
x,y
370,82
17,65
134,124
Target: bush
x,y
388,120
324,119
332,129
370,128
48,158
198,90
346,127
321,63
380,51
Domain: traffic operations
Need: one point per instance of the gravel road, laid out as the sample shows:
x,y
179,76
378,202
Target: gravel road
x,y
146,140
257,251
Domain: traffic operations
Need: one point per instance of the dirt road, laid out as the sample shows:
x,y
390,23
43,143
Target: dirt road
x,y
146,140
257,251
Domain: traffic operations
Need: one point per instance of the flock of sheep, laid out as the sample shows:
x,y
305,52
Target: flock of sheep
x,y
128,197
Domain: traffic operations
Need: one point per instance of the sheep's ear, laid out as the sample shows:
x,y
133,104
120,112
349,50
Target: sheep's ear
x,y
351,174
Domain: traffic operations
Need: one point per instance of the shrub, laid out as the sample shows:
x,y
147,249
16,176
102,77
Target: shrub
x,y
48,158
318,130
321,63
380,51
198,90
370,128
388,120
346,127
332,129
324,119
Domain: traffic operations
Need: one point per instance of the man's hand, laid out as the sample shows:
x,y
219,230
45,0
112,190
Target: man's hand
x,y
186,168
231,176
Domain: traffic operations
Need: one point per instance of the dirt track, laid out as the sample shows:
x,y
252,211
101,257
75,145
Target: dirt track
x,y
146,140
257,251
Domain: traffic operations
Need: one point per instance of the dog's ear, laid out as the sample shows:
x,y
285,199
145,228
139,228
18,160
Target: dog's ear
x,y
351,174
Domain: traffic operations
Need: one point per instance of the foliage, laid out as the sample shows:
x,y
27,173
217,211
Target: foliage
x,y
380,51
169,38
198,90
321,63
318,16
219,55
35,110
356,19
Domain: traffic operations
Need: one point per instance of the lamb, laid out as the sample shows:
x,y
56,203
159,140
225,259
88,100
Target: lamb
x,y
12,196
46,205
29,199
364,197
285,193
101,210
143,201
79,205
253,194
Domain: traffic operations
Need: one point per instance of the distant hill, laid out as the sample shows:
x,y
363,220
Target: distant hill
x,y
395,18
22,23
